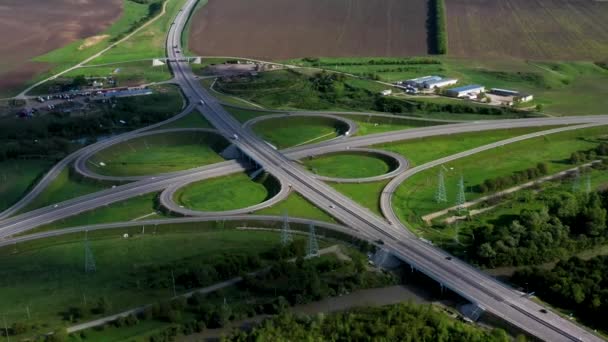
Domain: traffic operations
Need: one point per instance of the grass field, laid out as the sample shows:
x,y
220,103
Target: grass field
x,y
192,120
226,193
148,43
47,276
348,165
160,153
17,176
366,194
297,206
63,188
420,151
136,208
415,197
298,130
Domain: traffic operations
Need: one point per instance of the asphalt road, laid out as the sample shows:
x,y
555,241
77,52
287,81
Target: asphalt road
x,y
469,282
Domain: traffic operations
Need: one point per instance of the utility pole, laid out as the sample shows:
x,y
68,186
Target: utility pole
x,y
460,199
440,194
588,184
173,281
285,233
313,245
8,338
576,183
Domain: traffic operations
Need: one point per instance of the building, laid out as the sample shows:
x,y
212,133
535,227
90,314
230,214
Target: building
x,y
419,82
466,91
515,95
444,82
386,92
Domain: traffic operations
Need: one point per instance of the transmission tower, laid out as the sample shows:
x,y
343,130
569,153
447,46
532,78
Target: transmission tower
x,y
285,233
313,245
588,184
460,199
440,195
89,261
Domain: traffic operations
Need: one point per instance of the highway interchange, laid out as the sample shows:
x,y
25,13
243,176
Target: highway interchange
x,y
458,276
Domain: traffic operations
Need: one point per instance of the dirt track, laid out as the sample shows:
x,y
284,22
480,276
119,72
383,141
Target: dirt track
x,y
29,28
280,29
532,29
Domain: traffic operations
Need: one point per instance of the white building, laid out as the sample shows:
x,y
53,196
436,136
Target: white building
x,y
419,82
440,83
466,91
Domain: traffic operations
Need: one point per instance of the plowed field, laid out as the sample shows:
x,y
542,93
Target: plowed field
x,y
531,29
281,29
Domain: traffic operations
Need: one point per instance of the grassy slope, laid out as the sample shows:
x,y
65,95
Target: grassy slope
x,y
191,120
157,154
297,206
148,43
222,193
63,188
16,177
415,197
366,194
128,210
48,275
420,151
292,131
347,165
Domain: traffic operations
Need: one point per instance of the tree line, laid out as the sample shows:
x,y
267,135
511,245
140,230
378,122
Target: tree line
x,y
574,284
437,27
401,322
564,223
518,177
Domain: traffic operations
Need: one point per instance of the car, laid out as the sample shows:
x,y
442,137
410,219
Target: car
x,y
543,311
380,242
448,258
332,206
202,102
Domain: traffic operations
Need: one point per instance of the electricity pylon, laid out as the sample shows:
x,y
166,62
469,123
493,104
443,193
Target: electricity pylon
x,y
576,183
313,245
588,184
285,233
440,195
89,261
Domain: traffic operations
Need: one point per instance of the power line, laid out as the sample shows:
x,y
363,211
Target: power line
x,y
89,260
460,199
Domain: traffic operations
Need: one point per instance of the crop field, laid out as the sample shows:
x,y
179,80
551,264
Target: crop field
x,y
159,153
331,28
29,28
529,29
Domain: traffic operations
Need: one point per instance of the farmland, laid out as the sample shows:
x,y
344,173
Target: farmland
x,y
568,30
29,30
329,28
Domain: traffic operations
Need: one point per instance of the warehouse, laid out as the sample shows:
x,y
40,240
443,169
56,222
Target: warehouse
x,y
445,82
466,91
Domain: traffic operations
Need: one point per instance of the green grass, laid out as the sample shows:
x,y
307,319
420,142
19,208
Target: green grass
x,y
47,275
141,207
298,130
415,197
366,194
244,115
148,43
223,97
192,120
63,188
226,193
348,165
420,151
160,153
297,206
17,176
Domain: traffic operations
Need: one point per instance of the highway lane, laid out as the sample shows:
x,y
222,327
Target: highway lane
x,y
459,277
